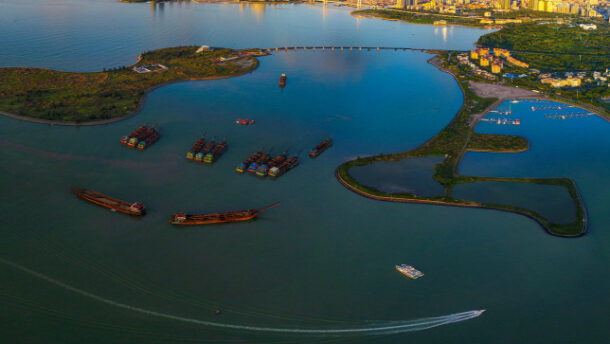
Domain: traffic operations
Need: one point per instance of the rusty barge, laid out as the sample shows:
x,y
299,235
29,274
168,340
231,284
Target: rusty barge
x,y
224,217
134,208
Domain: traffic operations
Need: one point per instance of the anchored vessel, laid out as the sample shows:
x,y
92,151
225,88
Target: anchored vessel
x,y
215,153
263,169
241,168
321,147
284,167
282,80
409,271
134,208
136,133
261,160
205,150
195,148
231,216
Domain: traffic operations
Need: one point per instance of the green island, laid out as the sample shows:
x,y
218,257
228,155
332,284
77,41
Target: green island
x,y
59,97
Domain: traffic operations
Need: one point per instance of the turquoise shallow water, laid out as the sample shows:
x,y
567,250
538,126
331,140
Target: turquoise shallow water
x,y
325,257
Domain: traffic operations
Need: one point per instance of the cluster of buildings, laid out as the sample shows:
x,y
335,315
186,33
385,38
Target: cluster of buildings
x,y
571,79
495,58
150,68
587,8
484,60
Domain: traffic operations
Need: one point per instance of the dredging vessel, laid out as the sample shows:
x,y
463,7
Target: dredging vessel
x,y
409,271
284,167
263,169
149,139
231,216
261,160
241,168
205,150
321,147
134,208
215,153
136,133
282,80
195,148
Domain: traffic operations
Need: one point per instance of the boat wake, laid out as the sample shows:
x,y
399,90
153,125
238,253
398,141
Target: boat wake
x,y
363,328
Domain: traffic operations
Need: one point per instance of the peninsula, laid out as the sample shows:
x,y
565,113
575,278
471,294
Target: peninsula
x,y
70,98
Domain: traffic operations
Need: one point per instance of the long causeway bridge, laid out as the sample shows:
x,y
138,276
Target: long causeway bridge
x,y
351,48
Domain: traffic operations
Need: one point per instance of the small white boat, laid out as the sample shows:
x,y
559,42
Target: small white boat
x,y
409,271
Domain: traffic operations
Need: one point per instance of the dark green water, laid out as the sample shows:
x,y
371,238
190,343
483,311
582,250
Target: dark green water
x,y
325,257
412,175
551,201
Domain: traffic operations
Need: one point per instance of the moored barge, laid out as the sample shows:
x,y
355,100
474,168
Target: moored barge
x,y
231,216
241,168
321,147
215,153
195,148
134,208
282,80
284,167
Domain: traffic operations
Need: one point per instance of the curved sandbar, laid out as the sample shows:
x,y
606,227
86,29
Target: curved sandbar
x,y
452,142
68,98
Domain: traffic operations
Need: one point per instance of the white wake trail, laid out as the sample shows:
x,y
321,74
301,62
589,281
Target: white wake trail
x,y
380,328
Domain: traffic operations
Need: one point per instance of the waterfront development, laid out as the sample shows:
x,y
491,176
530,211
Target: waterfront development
x,y
89,275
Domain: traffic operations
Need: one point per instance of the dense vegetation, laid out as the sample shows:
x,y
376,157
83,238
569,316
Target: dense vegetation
x,y
81,97
497,143
418,17
553,47
452,142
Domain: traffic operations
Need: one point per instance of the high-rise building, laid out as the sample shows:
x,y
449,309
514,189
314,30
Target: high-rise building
x,y
505,4
400,4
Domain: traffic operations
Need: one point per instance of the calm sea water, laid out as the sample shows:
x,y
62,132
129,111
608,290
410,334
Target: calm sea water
x,y
325,257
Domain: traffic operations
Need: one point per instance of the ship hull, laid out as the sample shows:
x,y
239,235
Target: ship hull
x,y
107,202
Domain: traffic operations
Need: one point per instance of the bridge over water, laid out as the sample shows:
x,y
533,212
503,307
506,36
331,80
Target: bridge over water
x,y
351,48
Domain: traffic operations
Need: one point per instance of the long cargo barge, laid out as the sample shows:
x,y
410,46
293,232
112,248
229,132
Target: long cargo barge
x,y
215,153
231,216
134,208
284,167
321,147
195,148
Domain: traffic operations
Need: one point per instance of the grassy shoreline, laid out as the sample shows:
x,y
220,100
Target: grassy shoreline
x,y
94,98
453,142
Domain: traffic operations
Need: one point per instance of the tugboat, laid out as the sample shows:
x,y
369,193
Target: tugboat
x,y
409,271
284,167
321,147
215,153
134,208
204,219
282,80
241,168
196,148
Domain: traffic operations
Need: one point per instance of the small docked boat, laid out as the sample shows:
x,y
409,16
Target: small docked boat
x,y
409,271
231,216
134,208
